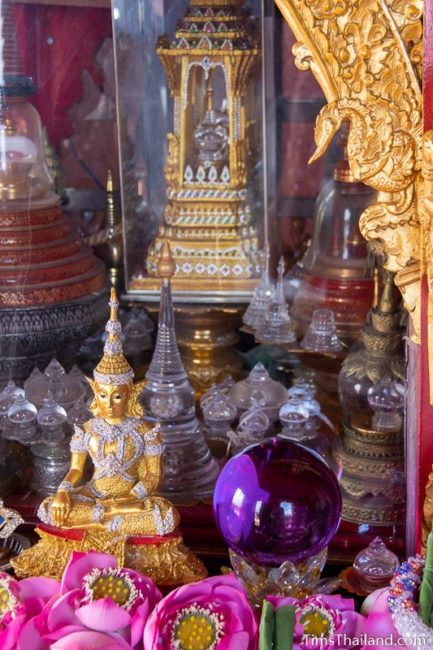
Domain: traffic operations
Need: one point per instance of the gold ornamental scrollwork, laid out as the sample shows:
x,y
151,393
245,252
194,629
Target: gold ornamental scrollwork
x,y
367,57
426,219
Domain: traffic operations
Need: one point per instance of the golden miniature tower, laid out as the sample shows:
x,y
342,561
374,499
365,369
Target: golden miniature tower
x,y
209,65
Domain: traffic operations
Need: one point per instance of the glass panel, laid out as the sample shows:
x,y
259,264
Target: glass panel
x,y
215,132
191,143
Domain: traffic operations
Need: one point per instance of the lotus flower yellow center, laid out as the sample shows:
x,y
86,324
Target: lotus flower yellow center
x,y
196,628
8,602
111,583
317,621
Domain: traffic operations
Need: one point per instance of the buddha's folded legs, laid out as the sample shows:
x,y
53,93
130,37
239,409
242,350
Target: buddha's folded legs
x,y
153,516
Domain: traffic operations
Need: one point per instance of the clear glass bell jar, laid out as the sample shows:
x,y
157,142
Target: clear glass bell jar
x,y
215,130
190,109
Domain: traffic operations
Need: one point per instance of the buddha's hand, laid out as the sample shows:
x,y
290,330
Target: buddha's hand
x,y
60,508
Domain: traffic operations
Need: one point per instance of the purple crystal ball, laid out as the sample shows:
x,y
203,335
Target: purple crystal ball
x,y
277,501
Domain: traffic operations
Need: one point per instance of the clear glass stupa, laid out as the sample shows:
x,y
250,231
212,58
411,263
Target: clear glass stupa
x,y
276,326
226,384
51,419
302,397
258,389
321,335
7,397
293,424
262,297
65,389
253,427
137,333
386,399
22,417
375,565
79,414
214,391
218,414
78,375
168,397
302,420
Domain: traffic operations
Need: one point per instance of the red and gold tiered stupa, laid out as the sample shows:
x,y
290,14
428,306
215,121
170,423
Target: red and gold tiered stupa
x,y
42,259
49,280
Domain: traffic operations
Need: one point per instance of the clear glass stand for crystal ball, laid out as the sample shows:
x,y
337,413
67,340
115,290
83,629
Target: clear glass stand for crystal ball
x,y
297,580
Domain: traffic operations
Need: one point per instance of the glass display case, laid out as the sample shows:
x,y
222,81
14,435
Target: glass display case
x,y
200,125
196,114
216,316
190,144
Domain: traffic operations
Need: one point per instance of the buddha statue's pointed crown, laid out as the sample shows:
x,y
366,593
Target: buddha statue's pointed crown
x,y
113,367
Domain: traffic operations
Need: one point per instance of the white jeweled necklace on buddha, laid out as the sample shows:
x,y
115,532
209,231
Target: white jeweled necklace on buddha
x,y
114,463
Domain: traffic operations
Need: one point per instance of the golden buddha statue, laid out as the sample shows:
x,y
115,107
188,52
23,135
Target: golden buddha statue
x,y
118,503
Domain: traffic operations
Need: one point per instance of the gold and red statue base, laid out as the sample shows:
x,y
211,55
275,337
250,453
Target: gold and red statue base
x,y
164,559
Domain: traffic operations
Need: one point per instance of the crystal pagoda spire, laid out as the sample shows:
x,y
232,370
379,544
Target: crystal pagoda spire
x,y
276,325
262,296
166,360
168,397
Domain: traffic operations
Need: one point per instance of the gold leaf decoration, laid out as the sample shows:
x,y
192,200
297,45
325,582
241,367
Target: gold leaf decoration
x,y
367,56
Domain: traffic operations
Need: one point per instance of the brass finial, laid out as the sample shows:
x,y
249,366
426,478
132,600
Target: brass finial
x,y
109,185
110,216
376,278
166,264
385,317
387,301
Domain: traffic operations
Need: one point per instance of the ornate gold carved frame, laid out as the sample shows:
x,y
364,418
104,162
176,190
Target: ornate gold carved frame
x,y
367,57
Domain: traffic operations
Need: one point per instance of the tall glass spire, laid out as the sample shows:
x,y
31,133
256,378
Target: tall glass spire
x,y
169,399
166,361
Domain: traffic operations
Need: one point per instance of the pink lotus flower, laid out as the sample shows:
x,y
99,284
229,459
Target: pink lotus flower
x,y
19,602
213,614
87,640
95,596
331,617
379,624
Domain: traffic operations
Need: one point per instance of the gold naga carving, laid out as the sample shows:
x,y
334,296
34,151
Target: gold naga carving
x,y
426,220
367,57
